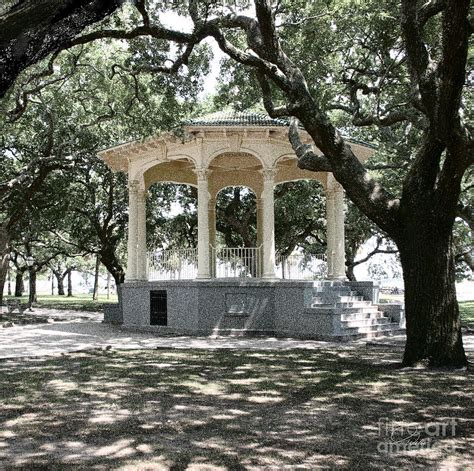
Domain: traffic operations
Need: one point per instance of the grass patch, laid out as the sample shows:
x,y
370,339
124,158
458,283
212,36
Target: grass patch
x,y
78,302
174,409
466,311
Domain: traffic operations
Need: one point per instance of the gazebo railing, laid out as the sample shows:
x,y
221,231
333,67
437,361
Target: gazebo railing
x,y
301,267
233,262
174,264
236,262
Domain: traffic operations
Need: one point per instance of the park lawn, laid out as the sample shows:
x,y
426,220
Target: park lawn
x,y
229,409
78,302
466,310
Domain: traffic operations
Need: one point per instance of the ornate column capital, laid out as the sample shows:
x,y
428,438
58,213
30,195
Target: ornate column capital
x,y
268,174
202,174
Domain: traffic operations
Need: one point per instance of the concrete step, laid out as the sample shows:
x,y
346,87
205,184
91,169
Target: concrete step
x,y
333,290
362,313
370,329
366,309
336,299
379,321
353,304
349,337
349,299
323,306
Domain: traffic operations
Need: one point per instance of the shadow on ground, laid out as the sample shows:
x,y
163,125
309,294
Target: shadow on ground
x,y
196,409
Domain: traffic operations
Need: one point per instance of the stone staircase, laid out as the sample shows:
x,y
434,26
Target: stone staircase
x,y
353,316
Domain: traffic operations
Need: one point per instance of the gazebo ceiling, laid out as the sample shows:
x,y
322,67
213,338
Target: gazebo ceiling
x,y
235,161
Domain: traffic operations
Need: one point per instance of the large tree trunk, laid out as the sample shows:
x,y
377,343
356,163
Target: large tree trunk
x,y
350,272
9,289
4,258
108,284
110,261
19,285
432,312
95,293
69,283
32,297
60,280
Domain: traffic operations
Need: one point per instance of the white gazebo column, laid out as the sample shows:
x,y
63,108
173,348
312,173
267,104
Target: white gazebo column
x,y
212,234
259,234
268,223
133,188
141,235
203,223
336,255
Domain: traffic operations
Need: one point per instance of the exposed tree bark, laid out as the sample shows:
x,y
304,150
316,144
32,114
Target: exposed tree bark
x,y
32,298
95,292
32,29
60,277
9,288
432,313
108,284
4,257
69,283
111,262
19,284
60,280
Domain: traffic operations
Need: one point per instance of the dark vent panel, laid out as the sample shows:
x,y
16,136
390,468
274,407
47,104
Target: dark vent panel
x,y
158,307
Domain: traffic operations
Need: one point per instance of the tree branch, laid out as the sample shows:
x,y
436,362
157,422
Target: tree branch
x,y
307,159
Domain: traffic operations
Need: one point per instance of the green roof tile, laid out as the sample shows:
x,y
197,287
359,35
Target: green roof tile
x,y
237,118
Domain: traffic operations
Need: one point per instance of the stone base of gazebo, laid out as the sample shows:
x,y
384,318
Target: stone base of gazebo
x,y
302,309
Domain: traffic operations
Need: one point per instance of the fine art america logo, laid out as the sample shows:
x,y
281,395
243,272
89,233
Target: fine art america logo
x,y
398,438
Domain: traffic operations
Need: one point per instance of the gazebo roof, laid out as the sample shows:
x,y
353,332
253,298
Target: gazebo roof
x,y
237,118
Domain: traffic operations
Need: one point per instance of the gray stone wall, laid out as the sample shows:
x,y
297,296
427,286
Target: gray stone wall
x,y
201,307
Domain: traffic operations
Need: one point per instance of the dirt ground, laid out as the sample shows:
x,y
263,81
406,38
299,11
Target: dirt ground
x,y
352,408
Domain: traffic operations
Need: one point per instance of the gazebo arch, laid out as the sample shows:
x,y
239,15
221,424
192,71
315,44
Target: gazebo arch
x,y
219,150
249,255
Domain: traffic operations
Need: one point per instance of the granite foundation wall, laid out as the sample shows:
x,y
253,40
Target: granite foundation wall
x,y
204,307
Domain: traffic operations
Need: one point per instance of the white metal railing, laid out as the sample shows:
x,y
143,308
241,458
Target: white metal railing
x,y
236,262
301,267
174,264
233,262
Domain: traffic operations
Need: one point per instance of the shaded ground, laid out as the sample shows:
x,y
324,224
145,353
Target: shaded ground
x,y
84,331
226,403
75,331
227,409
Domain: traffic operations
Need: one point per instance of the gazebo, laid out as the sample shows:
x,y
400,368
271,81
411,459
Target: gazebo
x,y
214,152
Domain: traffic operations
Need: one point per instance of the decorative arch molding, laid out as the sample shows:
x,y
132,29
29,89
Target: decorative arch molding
x,y
140,169
227,150
171,182
171,170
